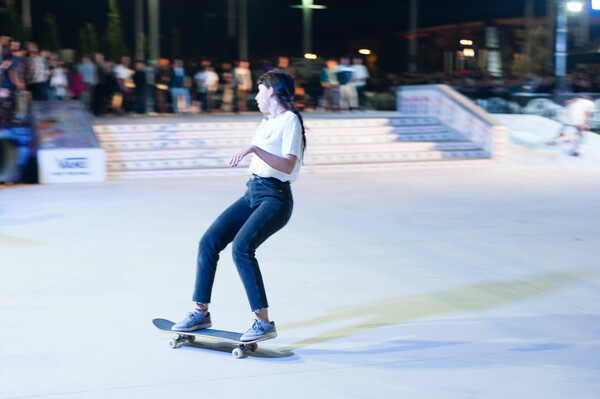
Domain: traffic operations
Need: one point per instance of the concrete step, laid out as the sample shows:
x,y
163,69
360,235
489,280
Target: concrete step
x,y
238,142
106,137
310,159
188,148
250,125
225,152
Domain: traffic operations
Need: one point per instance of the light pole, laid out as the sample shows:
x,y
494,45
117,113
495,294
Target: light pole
x,y
139,29
560,52
153,6
307,7
243,31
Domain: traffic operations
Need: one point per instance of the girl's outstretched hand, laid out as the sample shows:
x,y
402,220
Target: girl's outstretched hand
x,y
237,158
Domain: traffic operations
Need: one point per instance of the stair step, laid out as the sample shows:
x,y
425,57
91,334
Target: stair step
x,y
227,152
312,159
106,137
309,123
146,174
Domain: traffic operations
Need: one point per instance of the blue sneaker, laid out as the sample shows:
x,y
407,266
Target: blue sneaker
x,y
260,330
193,321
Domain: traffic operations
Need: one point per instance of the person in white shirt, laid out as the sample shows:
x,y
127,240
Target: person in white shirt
x,y
277,148
207,83
576,115
243,79
359,77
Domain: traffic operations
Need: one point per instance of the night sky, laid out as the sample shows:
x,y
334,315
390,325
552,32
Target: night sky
x,y
274,27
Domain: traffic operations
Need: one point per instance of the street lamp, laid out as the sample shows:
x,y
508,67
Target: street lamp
x,y
574,6
307,7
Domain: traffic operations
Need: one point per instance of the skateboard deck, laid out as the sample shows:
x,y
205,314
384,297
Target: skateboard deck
x,y
188,337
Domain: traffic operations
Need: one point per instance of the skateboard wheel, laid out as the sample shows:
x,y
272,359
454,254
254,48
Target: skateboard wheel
x,y
253,347
191,338
173,343
237,353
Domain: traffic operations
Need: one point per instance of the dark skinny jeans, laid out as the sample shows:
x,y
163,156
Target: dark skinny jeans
x,y
263,210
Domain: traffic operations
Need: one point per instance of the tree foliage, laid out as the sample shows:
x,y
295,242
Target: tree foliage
x,y
88,40
11,24
114,33
50,34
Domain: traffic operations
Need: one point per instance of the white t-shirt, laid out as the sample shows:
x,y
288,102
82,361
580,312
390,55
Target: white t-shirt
x,y
360,73
279,136
122,72
210,80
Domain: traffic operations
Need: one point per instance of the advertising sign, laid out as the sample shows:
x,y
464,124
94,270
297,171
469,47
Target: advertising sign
x,y
68,149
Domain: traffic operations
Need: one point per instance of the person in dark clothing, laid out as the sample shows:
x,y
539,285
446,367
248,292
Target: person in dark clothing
x,y
139,92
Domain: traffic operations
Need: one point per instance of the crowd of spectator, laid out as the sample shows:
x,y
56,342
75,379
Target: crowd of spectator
x,y
165,86
162,86
478,84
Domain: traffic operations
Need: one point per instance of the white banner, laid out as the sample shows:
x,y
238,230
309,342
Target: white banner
x,y
73,165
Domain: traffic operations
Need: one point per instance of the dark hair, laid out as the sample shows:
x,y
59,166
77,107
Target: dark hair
x,y
284,88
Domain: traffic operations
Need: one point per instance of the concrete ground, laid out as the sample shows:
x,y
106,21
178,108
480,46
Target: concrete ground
x,y
462,282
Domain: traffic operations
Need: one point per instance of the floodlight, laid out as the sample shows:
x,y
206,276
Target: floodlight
x,y
574,6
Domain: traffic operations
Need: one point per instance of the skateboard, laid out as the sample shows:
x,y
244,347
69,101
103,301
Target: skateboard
x,y
188,337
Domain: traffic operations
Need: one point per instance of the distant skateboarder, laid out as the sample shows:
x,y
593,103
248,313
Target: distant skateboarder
x,y
576,115
278,147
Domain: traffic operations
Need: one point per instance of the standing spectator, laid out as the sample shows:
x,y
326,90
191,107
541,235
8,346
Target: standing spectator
x,y
243,79
16,70
35,72
283,63
331,86
179,93
360,74
348,96
150,95
207,82
89,72
228,88
162,85
123,75
139,92
100,94
76,83
58,80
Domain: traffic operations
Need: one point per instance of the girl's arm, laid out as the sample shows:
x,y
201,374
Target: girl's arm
x,y
283,164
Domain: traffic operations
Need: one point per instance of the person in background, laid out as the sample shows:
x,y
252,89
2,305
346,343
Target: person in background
x,y
243,80
360,74
576,116
331,86
207,83
228,87
139,91
180,94
161,82
348,96
58,81
35,72
88,71
76,83
123,74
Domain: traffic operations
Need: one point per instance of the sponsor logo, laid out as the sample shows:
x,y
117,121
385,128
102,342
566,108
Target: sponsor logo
x,y
73,163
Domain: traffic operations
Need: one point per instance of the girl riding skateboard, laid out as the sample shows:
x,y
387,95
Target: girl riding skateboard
x,y
278,147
